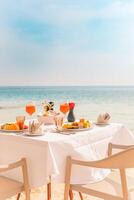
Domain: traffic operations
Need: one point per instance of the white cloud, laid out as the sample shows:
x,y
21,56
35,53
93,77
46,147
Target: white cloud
x,y
71,61
56,13
118,10
60,14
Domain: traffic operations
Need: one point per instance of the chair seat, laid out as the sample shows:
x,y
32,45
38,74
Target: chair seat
x,y
111,185
9,187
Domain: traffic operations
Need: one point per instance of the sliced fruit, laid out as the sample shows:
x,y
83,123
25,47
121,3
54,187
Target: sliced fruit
x,y
25,126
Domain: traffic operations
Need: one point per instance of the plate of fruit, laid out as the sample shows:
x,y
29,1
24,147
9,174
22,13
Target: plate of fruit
x,y
12,127
81,125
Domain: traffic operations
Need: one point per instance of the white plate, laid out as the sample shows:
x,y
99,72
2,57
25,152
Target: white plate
x,y
76,129
11,131
102,124
32,135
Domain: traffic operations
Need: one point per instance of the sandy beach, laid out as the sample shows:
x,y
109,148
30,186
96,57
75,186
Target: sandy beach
x,y
57,194
58,189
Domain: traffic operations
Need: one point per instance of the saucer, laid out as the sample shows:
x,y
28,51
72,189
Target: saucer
x,y
102,124
32,135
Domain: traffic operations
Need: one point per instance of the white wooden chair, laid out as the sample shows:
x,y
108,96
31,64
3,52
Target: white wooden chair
x,y
10,187
113,187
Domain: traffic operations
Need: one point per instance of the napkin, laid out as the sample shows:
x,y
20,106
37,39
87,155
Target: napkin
x,y
103,118
34,127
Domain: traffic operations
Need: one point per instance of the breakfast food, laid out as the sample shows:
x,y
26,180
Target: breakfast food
x,y
70,126
10,127
86,124
82,123
25,126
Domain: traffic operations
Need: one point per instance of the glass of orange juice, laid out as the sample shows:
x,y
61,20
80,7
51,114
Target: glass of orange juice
x,y
30,108
64,108
20,121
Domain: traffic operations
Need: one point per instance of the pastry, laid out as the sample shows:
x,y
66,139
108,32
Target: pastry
x,y
10,126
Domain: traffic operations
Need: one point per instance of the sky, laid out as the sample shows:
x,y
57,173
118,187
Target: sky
x,y
66,42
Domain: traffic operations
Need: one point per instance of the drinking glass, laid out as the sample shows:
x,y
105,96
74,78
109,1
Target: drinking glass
x,y
30,108
59,121
64,108
20,121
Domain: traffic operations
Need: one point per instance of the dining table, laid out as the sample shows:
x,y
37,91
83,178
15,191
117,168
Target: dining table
x,y
46,153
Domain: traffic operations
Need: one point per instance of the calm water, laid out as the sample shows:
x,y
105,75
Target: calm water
x,y
90,101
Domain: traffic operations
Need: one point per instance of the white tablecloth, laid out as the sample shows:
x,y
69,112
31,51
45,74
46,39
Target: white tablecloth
x,y
46,155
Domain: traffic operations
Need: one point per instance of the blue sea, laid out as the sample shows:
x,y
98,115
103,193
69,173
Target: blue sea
x,y
90,101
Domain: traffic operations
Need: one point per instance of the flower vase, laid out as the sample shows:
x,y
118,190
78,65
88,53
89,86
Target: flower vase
x,y
71,117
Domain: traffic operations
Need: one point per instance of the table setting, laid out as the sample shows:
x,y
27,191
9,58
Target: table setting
x,y
47,140
63,123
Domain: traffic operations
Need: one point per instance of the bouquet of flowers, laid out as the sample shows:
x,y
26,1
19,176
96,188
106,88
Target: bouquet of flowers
x,y
48,108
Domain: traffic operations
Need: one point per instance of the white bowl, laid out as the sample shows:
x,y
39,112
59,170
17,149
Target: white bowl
x,y
48,120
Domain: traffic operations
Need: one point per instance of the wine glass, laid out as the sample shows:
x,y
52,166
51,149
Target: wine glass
x,y
64,108
30,108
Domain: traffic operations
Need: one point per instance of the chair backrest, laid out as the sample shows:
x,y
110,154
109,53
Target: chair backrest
x,y
122,160
21,163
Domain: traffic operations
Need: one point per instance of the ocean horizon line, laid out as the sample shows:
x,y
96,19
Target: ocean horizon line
x,y
29,86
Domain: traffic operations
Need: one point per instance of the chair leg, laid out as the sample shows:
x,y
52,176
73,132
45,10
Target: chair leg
x,y
18,196
49,191
81,197
71,194
27,193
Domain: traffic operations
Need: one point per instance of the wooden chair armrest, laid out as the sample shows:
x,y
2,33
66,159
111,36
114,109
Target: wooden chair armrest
x,y
112,146
119,160
117,146
20,163
86,163
96,164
